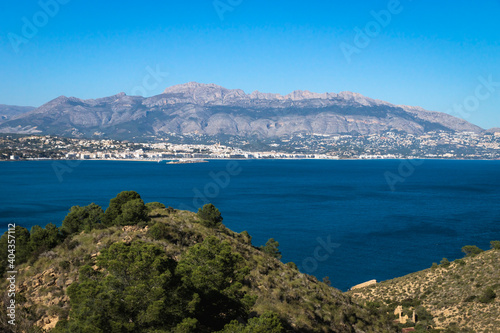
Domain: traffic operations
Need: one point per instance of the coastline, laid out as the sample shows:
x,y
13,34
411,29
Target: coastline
x,y
254,159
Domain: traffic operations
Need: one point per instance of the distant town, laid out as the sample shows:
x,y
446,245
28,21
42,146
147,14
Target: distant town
x,y
388,145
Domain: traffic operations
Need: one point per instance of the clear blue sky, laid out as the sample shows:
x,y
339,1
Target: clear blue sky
x,y
430,54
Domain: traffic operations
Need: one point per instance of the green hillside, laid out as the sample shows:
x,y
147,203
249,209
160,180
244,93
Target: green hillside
x,y
147,268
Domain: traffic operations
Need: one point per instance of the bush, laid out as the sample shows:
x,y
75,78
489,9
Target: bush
x,y
434,265
460,262
326,280
82,218
445,262
44,239
470,298
64,264
488,296
154,205
116,206
271,248
247,237
495,245
122,300
23,250
215,274
209,216
471,250
133,212
159,231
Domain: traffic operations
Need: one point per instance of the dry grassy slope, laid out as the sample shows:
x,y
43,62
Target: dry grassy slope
x,y
449,293
306,304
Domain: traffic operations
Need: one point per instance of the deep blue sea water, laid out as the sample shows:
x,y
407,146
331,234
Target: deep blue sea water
x,y
370,230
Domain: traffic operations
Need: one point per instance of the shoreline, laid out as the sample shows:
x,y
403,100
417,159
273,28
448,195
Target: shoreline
x,y
253,159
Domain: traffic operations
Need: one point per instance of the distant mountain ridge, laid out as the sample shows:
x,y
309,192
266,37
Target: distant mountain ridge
x,y
9,111
212,110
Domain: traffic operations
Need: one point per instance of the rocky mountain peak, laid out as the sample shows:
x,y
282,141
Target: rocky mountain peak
x,y
203,93
195,88
211,109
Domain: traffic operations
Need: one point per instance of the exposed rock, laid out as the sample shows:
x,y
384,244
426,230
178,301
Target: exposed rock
x,y
211,110
364,284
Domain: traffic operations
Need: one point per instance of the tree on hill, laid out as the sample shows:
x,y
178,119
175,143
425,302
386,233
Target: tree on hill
x,y
488,296
209,215
138,288
271,248
445,262
214,272
155,205
132,212
136,292
471,250
82,218
495,245
44,239
22,252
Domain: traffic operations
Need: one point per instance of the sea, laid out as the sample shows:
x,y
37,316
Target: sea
x,y
349,220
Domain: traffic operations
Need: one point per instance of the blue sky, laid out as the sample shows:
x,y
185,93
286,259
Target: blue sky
x,y
434,54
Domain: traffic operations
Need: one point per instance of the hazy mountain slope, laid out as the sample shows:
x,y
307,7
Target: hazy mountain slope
x,y
7,112
210,109
453,294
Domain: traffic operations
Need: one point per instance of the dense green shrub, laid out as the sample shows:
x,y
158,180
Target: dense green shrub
x,y
445,262
43,239
138,288
116,208
154,205
488,296
209,216
133,212
215,273
138,292
495,245
159,231
82,218
64,264
247,237
271,248
23,251
471,250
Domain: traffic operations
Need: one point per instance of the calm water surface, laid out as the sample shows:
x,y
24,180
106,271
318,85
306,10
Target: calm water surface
x,y
369,231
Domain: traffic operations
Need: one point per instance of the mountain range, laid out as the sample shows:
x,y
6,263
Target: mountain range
x,y
209,109
9,111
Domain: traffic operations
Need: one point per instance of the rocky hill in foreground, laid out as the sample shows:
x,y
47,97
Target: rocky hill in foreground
x,y
208,109
144,268
462,296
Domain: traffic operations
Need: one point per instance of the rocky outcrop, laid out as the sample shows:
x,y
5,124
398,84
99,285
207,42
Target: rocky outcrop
x,y
211,110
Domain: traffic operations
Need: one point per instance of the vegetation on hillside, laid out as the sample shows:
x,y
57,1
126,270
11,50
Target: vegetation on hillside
x,y
145,268
458,296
